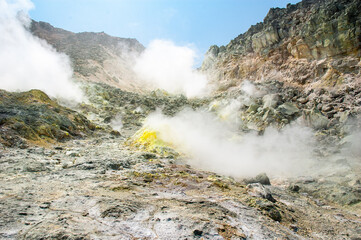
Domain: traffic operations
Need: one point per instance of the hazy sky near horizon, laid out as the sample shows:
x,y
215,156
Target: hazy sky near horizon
x,y
195,23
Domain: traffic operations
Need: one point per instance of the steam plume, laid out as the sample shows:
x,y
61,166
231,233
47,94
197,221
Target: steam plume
x,y
27,62
212,145
170,67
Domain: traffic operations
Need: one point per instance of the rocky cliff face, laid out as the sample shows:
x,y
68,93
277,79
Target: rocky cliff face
x,y
313,43
95,57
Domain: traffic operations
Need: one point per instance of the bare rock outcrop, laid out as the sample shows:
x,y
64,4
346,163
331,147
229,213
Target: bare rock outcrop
x,y
313,43
32,117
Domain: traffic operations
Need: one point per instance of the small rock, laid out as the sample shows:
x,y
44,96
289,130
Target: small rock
x,y
294,228
288,108
87,166
315,119
45,205
115,166
293,188
327,108
72,154
148,155
258,190
308,180
35,167
115,133
355,182
197,232
260,178
275,215
303,100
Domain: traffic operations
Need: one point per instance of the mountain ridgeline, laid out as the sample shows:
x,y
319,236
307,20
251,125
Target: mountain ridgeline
x,y
313,43
95,57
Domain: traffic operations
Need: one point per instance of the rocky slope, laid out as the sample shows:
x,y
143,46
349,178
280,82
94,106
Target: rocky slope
x,y
105,187
32,117
315,43
96,172
95,57
108,103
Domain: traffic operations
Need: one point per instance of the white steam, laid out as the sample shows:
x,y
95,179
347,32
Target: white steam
x,y
116,123
249,88
355,148
27,62
170,67
215,146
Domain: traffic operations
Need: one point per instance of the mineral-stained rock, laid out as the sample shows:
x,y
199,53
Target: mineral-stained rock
x,y
35,117
288,109
314,40
112,187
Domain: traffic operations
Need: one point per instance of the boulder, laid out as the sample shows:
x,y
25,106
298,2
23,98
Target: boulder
x,y
258,190
260,178
288,109
315,119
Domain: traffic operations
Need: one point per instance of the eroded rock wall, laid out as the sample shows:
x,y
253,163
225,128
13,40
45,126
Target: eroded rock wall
x,y
313,43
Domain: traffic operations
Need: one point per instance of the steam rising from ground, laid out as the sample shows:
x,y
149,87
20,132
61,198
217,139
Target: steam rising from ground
x,y
170,67
116,123
355,147
27,62
215,146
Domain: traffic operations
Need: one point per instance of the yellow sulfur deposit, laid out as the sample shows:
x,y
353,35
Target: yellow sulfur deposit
x,y
148,140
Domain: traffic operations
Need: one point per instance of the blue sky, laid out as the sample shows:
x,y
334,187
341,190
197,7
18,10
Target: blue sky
x,y
199,23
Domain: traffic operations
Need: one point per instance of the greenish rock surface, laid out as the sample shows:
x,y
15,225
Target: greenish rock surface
x,y
288,109
33,116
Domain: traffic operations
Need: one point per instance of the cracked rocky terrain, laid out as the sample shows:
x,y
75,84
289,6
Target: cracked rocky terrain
x,y
96,170
101,186
98,188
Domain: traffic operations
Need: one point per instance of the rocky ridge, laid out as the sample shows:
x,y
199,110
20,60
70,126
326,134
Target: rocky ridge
x,y
314,43
95,57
